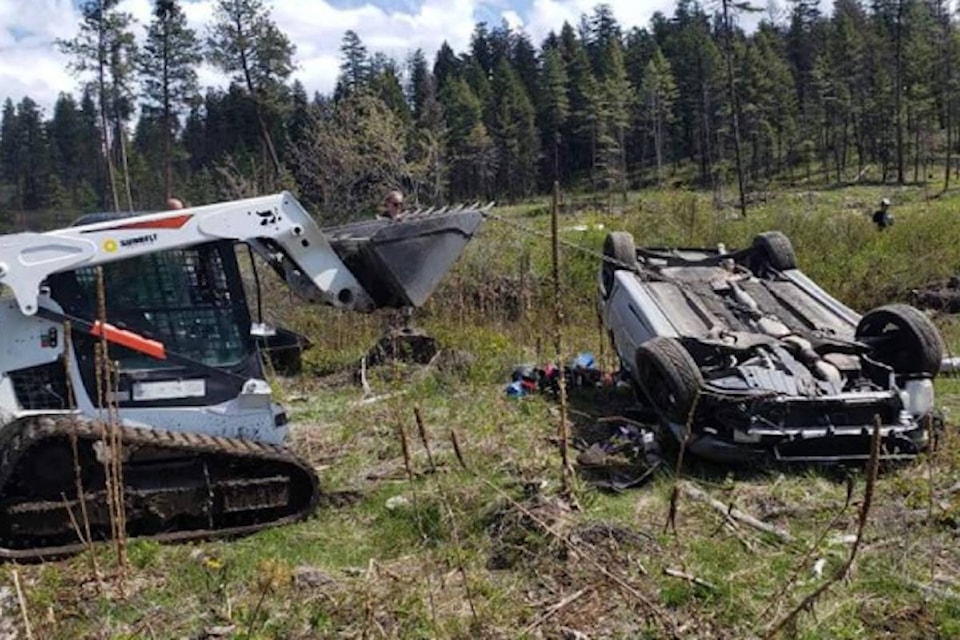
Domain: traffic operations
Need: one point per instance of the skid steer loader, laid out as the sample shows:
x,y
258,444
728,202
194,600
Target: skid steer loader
x,y
202,440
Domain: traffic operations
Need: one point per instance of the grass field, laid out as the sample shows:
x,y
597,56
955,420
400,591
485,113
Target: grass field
x,y
489,547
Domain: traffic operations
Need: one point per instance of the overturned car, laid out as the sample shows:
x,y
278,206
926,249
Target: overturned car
x,y
745,359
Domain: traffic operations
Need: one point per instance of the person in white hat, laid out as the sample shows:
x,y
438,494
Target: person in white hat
x,y
882,216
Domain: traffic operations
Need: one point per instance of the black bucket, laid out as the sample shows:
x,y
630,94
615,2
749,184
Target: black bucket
x,y
401,262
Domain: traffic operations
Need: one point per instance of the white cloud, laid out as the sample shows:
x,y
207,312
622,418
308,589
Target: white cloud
x,y
513,19
30,64
549,15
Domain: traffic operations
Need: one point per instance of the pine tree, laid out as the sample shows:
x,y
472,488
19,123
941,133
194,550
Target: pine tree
x,y
32,156
93,170
299,119
728,9
480,49
919,78
582,129
617,99
445,66
554,106
428,135
67,156
420,83
473,157
105,47
472,71
10,152
768,99
599,31
245,43
385,84
168,71
514,132
523,58
658,94
355,67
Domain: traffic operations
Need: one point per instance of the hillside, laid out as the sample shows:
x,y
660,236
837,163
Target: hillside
x,y
462,531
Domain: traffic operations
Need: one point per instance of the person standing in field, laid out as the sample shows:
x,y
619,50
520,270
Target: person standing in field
x,y
882,216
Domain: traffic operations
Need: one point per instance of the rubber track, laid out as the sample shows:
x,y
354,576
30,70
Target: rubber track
x,y
17,437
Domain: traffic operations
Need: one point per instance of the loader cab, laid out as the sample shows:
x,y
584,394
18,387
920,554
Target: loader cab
x,y
192,301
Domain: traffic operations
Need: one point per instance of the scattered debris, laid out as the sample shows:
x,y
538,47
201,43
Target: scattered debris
x,y
626,458
582,372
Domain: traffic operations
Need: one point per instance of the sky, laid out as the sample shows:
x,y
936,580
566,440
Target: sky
x,y
30,64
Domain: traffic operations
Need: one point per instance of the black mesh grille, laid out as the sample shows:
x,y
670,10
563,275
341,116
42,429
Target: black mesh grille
x,y
42,387
181,298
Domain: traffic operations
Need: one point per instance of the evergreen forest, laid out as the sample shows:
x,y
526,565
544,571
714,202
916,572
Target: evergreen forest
x,y
865,94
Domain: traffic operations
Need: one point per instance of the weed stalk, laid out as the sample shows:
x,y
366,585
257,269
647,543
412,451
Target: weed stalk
x,y
566,471
424,437
671,523
83,534
107,379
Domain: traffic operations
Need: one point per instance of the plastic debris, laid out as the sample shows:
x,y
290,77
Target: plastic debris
x,y
627,457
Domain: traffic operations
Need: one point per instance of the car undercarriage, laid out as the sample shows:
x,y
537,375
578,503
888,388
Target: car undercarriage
x,y
745,358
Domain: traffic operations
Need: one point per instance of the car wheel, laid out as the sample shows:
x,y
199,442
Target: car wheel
x,y
775,250
619,252
903,338
669,377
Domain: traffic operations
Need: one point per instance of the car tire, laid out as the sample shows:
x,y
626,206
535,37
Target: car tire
x,y
619,252
669,378
903,338
775,250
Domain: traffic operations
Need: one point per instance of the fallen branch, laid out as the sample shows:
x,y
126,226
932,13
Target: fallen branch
x,y
676,573
700,495
23,605
554,609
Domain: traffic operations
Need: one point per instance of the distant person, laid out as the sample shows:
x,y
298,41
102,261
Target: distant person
x,y
393,205
174,203
882,217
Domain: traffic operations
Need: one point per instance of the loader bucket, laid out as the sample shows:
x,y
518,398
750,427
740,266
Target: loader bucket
x,y
401,262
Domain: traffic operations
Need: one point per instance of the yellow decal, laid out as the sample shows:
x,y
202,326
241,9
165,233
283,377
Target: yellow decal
x,y
110,245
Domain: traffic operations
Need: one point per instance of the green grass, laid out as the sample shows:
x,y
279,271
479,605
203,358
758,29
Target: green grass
x,y
419,559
